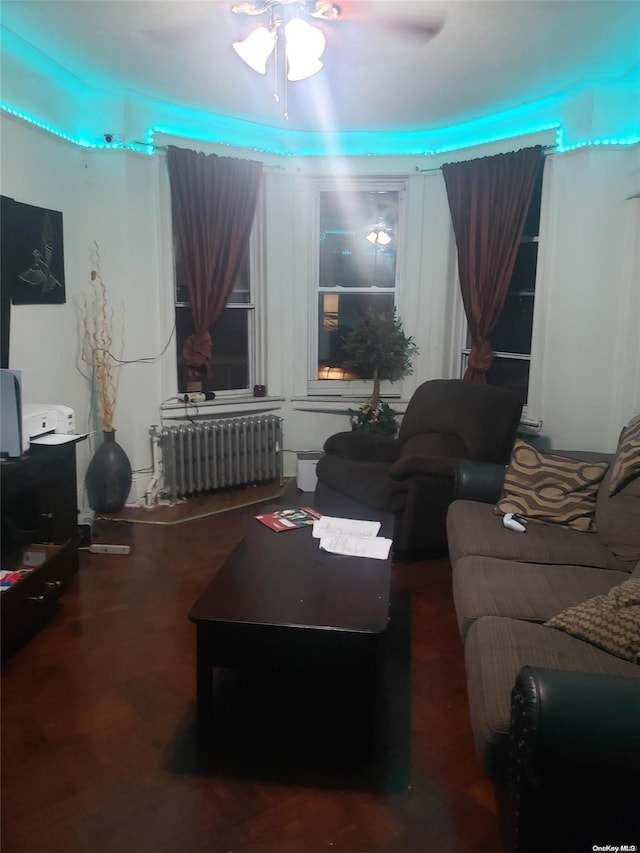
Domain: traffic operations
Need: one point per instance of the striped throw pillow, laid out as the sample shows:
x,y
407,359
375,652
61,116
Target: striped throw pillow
x,y
626,466
551,489
611,621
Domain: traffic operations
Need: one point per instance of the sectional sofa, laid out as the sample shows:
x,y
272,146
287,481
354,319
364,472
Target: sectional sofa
x,y
549,619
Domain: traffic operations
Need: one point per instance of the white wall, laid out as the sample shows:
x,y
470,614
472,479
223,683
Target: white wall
x,y
110,199
586,361
585,343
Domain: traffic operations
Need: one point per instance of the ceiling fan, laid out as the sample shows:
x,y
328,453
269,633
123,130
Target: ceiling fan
x,y
294,33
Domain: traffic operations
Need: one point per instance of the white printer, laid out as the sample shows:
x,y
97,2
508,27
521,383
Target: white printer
x,y
42,418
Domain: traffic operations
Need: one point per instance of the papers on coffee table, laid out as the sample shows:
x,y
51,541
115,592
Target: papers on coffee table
x,y
351,537
330,526
375,547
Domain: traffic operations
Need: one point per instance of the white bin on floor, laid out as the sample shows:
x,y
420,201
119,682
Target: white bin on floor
x,y
306,471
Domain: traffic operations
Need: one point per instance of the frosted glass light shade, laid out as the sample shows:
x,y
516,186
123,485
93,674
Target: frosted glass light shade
x,y
301,69
378,238
256,49
304,47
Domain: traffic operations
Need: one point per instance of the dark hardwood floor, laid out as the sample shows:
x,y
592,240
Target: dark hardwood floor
x,y
98,748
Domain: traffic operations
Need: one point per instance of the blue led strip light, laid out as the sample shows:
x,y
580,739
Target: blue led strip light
x,y
82,143
524,131
592,143
148,147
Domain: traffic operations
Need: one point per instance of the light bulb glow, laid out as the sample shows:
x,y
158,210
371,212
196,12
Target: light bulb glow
x,y
304,47
378,237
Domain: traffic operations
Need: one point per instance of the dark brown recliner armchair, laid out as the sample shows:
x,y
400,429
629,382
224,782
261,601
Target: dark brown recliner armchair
x,y
412,475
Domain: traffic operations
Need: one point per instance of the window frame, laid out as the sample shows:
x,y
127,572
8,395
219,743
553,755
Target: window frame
x,y
350,387
254,308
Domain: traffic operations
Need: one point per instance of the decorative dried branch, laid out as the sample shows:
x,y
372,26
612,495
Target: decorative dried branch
x,y
97,344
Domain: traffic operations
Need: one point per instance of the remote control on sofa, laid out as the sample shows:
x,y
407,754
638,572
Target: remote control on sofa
x,y
516,522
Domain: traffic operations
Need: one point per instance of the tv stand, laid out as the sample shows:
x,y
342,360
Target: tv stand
x,y
39,517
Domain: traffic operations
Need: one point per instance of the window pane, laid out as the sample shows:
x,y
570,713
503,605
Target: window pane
x,y
358,239
511,373
532,223
338,314
230,362
512,332
240,295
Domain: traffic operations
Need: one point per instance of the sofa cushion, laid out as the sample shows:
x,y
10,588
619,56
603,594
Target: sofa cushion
x,y
551,489
611,621
626,465
485,586
496,649
618,520
474,529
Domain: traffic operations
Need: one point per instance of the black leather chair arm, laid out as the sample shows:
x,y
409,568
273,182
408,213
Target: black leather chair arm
x,y
478,481
574,752
363,446
578,719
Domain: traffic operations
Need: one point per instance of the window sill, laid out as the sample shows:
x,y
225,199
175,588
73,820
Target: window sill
x,y
228,406
339,405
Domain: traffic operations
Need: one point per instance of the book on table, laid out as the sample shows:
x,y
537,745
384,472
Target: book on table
x,y
289,519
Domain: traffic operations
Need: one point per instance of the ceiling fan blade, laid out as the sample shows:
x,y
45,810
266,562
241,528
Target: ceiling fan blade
x,y
425,30
403,20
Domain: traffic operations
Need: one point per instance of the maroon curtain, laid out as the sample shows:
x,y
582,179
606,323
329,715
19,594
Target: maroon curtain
x,y
213,202
489,199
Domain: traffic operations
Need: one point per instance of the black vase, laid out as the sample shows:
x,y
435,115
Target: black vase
x,y
108,477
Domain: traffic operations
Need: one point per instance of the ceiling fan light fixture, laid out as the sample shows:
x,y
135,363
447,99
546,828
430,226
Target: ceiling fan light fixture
x,y
256,49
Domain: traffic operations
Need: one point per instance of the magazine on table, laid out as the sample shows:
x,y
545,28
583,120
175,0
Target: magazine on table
x,y
289,519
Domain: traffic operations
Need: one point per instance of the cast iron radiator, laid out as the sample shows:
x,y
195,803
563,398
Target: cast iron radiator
x,y
219,453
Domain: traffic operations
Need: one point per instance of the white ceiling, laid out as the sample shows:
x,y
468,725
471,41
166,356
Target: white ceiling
x,y
490,56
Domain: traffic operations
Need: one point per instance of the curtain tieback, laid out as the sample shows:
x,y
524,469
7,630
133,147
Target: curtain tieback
x,y
480,357
197,352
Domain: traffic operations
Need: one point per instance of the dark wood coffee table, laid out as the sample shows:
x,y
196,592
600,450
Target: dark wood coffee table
x,y
279,601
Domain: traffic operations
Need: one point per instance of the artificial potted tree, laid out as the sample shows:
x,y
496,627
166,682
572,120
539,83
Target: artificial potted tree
x,y
378,349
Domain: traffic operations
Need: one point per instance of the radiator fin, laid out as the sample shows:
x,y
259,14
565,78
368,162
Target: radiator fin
x,y
219,454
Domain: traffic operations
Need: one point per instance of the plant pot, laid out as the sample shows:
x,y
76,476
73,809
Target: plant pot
x,y
108,477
